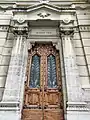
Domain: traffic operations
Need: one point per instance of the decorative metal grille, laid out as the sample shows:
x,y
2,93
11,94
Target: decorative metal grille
x,y
35,72
52,82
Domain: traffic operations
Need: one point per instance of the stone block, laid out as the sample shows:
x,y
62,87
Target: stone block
x,y
3,35
77,43
10,36
85,35
79,51
5,60
2,81
7,114
88,59
4,22
3,70
1,48
76,36
89,68
2,42
84,17
87,50
78,115
80,60
84,22
1,93
82,12
84,80
5,16
83,71
7,51
8,43
86,42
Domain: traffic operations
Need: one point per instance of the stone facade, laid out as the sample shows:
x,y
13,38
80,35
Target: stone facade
x,y
67,26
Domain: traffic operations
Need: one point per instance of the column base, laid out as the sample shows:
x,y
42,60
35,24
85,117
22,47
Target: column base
x,y
77,106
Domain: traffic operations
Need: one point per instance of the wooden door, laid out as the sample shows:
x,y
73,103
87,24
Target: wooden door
x,y
43,98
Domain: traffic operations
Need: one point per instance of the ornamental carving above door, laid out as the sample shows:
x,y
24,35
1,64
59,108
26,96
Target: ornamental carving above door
x,y
43,98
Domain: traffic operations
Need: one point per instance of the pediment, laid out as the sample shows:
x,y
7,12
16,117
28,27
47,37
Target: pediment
x,y
43,5
40,11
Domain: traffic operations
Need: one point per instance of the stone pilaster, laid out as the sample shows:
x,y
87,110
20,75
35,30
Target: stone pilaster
x,y
74,90
71,69
16,71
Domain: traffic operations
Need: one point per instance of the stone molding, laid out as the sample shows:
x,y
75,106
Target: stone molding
x,y
84,28
4,28
9,106
14,5
77,106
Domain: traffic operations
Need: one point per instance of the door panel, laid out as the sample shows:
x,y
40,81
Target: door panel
x,y
33,97
52,98
31,114
53,114
43,100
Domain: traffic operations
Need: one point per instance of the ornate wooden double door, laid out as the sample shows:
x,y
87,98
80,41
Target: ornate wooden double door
x,y
43,99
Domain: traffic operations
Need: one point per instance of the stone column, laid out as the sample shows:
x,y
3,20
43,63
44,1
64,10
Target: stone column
x,y
16,72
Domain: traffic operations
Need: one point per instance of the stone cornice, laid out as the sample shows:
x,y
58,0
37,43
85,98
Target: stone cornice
x,y
27,6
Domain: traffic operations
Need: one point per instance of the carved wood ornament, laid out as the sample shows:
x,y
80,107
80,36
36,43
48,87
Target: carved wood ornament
x,y
43,102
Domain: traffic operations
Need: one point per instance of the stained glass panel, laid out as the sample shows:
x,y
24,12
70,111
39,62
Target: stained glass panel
x,y
52,83
35,72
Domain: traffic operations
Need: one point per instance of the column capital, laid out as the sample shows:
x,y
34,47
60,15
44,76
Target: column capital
x,y
20,30
66,31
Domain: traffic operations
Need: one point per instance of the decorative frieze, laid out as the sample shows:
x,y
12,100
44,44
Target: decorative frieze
x,y
84,28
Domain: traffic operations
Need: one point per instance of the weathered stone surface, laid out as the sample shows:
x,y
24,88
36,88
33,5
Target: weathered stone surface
x,y
44,21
